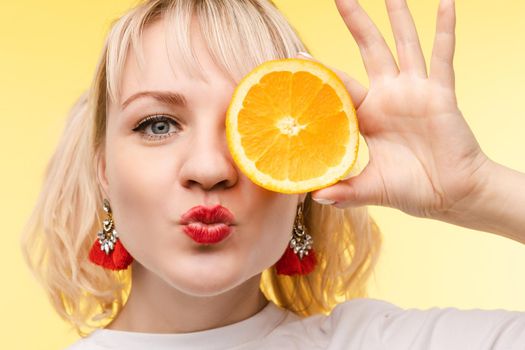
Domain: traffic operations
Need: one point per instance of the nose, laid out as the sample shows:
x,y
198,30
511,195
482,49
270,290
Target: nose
x,y
207,162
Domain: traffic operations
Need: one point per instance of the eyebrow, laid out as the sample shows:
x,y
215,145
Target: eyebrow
x,y
165,97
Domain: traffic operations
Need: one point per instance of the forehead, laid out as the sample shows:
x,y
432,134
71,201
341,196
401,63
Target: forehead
x,y
163,71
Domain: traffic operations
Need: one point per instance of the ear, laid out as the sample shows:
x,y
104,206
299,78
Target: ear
x,y
101,172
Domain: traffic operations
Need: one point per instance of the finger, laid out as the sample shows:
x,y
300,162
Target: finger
x,y
357,91
363,189
377,58
441,63
409,51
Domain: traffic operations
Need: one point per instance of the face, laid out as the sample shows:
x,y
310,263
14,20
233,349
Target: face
x,y
154,173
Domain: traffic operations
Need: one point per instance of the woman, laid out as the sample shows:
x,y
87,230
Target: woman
x,y
147,145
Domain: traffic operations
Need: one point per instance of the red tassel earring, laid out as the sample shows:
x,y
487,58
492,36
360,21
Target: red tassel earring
x,y
107,250
299,257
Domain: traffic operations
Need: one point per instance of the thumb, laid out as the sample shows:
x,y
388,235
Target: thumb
x,y
360,190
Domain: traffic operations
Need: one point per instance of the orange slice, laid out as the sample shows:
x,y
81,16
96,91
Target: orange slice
x,y
291,126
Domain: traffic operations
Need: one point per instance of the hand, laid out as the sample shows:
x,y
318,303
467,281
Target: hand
x,y
424,159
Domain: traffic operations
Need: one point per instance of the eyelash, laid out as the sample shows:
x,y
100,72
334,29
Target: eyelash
x,y
151,120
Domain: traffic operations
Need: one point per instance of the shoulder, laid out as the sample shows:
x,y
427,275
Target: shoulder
x,y
363,308
383,323
87,343
359,314
346,327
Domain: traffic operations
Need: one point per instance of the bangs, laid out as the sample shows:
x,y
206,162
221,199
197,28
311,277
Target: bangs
x,y
239,35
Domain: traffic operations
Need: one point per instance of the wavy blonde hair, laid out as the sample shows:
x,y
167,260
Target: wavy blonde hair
x,y
240,35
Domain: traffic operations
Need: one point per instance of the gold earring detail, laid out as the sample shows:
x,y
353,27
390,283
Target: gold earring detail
x,y
299,257
107,250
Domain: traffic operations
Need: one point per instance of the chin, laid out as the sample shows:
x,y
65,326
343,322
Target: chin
x,y
206,277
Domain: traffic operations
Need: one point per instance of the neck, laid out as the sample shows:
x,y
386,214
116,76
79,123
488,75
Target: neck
x,y
153,306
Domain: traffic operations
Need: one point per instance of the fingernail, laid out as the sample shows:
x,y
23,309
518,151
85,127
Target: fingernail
x,y
324,201
305,54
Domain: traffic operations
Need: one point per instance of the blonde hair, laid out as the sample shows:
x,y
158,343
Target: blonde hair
x,y
240,35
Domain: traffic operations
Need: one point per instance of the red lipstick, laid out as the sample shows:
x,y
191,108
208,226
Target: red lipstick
x,y
207,225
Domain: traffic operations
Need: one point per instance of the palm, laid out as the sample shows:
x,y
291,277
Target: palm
x,y
412,130
423,155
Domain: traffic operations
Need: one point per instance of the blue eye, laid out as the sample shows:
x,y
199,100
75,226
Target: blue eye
x,y
157,127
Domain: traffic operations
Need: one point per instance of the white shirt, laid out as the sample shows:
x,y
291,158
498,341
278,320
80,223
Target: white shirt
x,y
361,323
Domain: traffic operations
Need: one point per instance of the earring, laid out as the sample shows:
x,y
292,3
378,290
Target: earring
x,y
107,250
299,257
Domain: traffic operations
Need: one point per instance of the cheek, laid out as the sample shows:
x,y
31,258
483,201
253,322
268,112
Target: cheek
x,y
274,228
140,179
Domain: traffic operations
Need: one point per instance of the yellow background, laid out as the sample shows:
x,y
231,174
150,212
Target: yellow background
x,y
48,51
